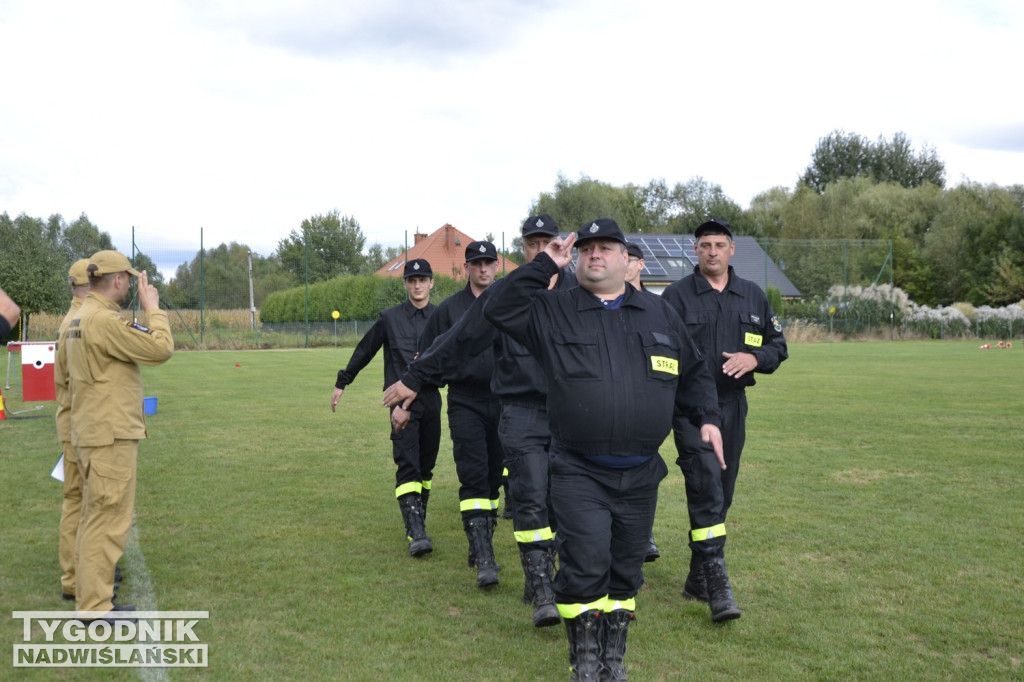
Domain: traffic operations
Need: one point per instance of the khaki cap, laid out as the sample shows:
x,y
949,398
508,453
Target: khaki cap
x,y
79,273
105,262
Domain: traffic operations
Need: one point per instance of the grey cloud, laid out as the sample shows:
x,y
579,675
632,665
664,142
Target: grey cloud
x,y
429,31
1008,138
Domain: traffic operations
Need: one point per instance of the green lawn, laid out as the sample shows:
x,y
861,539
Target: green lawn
x,y
878,531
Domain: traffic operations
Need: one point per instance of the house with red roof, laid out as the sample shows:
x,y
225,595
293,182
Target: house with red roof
x,y
445,250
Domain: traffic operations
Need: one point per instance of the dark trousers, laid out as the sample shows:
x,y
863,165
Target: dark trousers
x,y
604,524
415,447
709,490
525,439
473,424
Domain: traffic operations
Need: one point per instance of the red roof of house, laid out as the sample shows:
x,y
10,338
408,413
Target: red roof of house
x,y
445,250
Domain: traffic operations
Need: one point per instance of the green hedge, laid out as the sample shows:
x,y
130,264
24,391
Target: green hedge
x,y
354,297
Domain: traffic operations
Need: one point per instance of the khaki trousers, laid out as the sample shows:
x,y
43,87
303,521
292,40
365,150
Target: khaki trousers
x,y
70,515
108,501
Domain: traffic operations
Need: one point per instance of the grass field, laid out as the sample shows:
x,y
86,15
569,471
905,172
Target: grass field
x,y
878,532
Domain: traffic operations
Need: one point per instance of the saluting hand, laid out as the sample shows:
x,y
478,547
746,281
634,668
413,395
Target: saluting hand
x,y
560,250
149,297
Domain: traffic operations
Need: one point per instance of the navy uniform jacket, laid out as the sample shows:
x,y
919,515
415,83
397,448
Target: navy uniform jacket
x,y
467,372
398,330
739,319
518,378
615,376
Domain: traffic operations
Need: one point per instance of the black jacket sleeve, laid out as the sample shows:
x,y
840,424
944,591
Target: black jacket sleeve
x,y
696,395
363,353
468,336
509,308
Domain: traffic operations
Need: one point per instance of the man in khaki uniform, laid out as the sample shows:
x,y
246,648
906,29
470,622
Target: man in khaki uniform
x,y
105,352
71,510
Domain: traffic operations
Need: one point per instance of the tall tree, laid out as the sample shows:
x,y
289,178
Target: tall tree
x,y
1008,285
697,200
377,257
332,243
651,208
82,238
225,279
33,269
842,155
573,203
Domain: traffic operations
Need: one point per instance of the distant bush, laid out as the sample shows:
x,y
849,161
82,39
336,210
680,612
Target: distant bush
x,y
359,297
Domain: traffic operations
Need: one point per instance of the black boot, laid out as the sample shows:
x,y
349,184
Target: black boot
x,y
652,551
538,575
695,587
412,512
614,628
584,634
527,583
723,606
478,532
424,498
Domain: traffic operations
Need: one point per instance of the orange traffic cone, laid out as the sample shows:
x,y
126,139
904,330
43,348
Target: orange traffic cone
x,y
3,415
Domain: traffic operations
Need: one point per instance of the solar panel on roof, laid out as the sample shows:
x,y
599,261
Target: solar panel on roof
x,y
689,252
654,246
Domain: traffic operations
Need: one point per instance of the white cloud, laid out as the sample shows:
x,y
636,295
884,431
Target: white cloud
x,y
244,118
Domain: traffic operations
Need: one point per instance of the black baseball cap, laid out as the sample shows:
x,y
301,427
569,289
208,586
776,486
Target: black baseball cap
x,y
602,228
713,227
417,267
634,250
540,224
480,250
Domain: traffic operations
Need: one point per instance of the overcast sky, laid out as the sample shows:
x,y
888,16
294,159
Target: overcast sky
x,y
244,118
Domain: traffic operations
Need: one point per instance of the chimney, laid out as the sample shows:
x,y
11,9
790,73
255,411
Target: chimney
x,y
418,237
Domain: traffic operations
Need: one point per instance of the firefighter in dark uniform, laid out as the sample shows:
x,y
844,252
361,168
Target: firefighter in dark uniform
x,y
415,448
634,267
521,386
619,363
732,323
473,414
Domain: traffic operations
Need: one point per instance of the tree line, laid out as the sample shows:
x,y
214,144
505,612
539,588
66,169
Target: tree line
x,y
964,243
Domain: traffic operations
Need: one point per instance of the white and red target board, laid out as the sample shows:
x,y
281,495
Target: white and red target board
x,y
37,360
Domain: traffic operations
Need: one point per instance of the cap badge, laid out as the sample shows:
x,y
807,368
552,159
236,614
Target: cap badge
x,y
415,266
540,223
594,228
483,249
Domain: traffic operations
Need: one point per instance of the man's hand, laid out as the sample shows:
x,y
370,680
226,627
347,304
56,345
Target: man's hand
x,y
400,419
336,397
399,393
709,433
560,250
738,364
149,297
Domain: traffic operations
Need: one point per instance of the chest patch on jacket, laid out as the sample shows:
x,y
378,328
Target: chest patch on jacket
x,y
660,363
752,339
